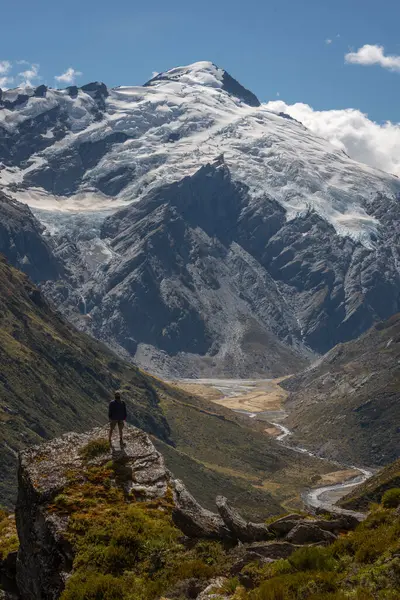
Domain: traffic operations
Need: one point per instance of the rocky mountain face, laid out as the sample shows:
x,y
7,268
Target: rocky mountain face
x,y
347,405
197,232
22,242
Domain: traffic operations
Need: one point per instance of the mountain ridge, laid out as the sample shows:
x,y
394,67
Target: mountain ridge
x,y
303,242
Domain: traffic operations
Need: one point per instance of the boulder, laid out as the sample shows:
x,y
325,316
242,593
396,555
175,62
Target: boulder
x,y
244,531
350,517
194,520
282,526
274,550
211,591
341,523
308,533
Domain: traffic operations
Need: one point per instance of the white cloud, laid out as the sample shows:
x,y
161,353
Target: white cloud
x,y
5,67
328,41
69,76
29,75
5,82
369,55
352,131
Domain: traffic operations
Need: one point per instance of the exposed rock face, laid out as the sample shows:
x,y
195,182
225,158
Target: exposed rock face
x,y
45,556
347,405
195,521
274,550
205,280
243,530
22,242
282,526
183,295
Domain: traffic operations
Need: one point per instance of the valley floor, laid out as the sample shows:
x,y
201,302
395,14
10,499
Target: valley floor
x,y
263,400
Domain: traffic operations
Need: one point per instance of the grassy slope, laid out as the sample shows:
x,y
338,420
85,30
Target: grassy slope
x,y
348,405
54,379
373,489
233,446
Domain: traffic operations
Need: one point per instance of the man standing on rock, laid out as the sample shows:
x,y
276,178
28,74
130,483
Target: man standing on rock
x,y
117,415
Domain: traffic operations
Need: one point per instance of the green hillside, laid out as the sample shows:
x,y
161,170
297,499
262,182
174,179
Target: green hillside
x,y
347,405
55,379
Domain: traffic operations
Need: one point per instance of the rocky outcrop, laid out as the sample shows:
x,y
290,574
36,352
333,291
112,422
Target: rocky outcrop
x,y
244,531
22,242
282,526
194,520
45,556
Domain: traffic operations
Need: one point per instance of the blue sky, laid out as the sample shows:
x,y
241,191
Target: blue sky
x,y
269,46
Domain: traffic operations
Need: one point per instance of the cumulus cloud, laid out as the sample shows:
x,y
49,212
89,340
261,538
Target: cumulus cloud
x,y
30,75
5,79
5,67
69,76
352,131
369,55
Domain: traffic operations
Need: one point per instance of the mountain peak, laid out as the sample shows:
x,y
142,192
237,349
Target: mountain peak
x,y
206,73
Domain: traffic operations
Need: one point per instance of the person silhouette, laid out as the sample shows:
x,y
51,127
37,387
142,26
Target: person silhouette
x,y
117,416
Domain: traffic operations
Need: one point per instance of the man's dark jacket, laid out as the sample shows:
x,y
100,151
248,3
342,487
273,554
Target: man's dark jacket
x,y
117,410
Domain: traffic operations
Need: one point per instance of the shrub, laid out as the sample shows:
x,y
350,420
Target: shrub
x,y
93,586
195,568
391,498
8,534
230,586
312,558
95,448
297,586
212,553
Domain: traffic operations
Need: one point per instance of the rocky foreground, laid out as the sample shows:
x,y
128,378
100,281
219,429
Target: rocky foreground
x,y
88,517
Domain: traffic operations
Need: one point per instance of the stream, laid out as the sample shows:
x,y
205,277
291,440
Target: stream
x,y
324,497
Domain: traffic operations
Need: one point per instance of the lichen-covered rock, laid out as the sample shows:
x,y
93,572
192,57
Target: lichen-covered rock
x,y
244,531
45,556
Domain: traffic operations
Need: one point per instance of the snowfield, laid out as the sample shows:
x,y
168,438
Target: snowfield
x,y
183,119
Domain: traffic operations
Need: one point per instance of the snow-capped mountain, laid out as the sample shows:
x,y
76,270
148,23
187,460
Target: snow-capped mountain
x,y
235,232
